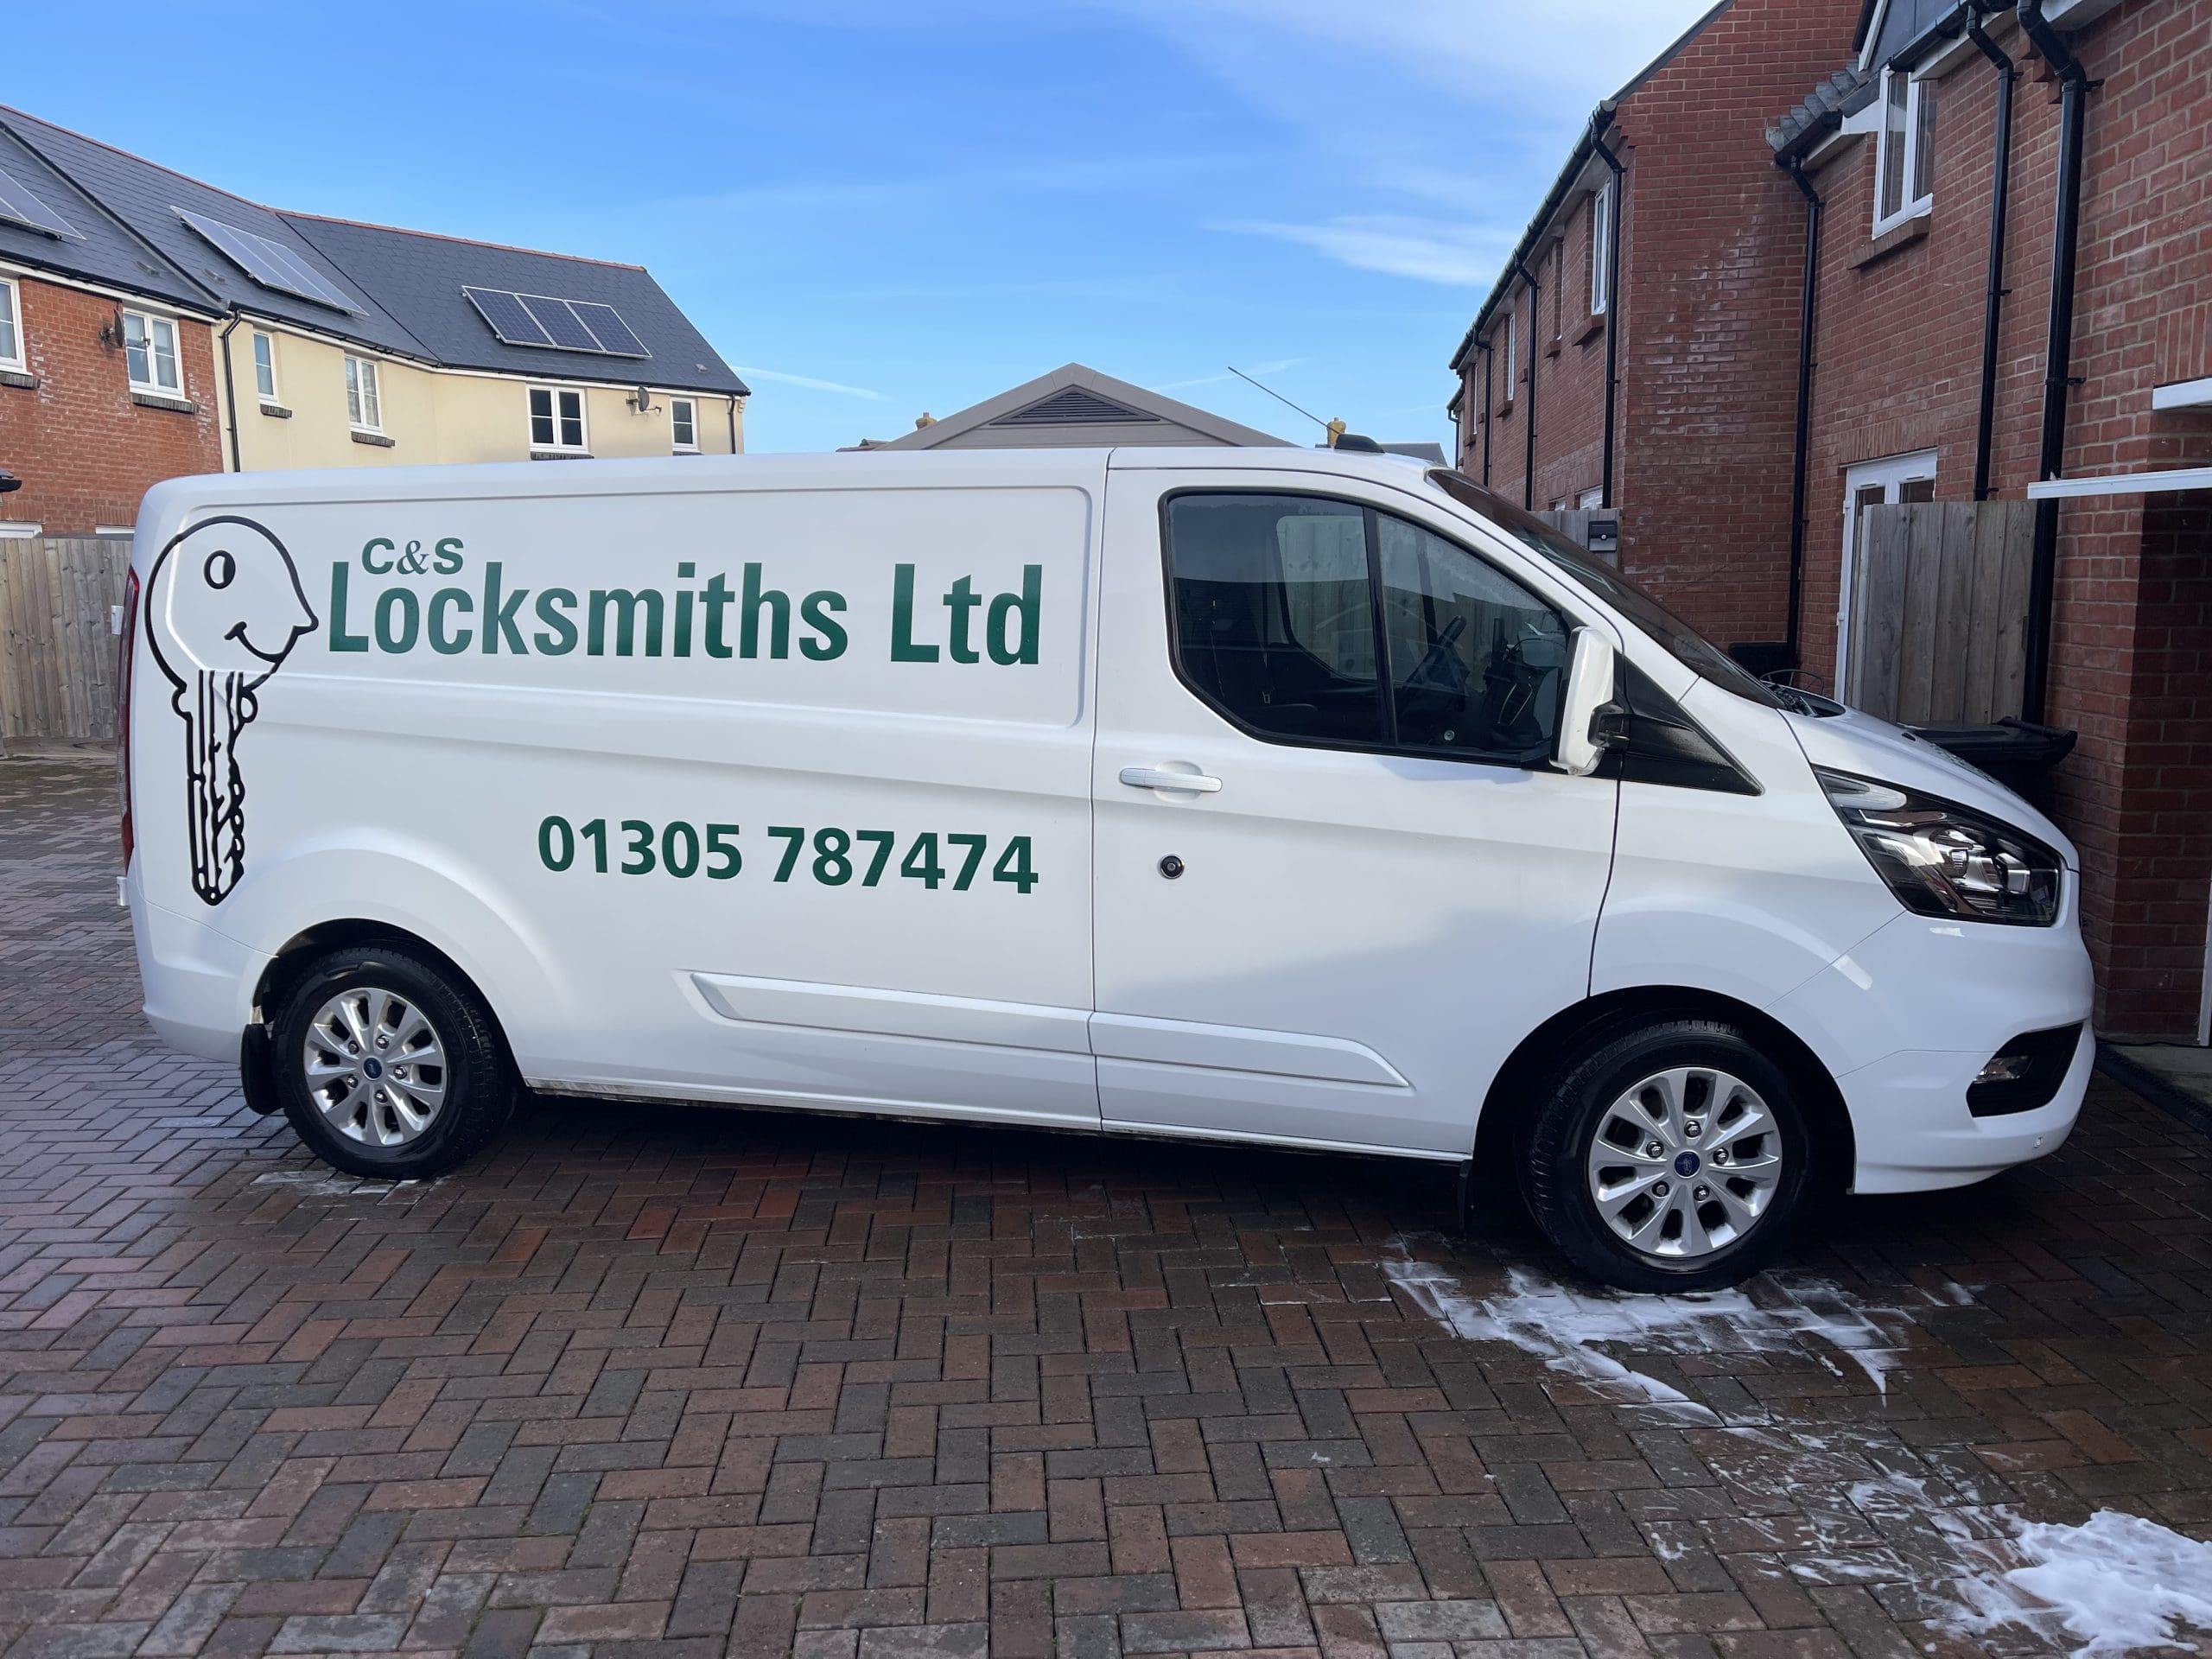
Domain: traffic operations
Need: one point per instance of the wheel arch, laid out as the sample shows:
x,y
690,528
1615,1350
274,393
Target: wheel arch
x,y
1542,1057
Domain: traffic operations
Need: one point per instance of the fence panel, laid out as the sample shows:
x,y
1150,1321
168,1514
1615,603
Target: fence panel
x,y
1939,611
1573,522
57,640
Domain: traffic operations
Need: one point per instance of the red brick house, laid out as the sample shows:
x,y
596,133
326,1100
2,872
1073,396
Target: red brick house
x,y
1889,144
106,361
1695,322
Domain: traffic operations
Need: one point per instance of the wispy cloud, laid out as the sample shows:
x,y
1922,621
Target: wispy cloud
x,y
1276,367
1427,251
808,383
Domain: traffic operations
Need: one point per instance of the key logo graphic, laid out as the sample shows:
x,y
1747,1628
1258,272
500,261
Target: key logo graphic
x,y
224,607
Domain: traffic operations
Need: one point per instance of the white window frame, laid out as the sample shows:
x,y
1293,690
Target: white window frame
x,y
19,362
690,406
1512,368
584,420
150,323
1888,473
1910,206
1601,245
364,395
262,337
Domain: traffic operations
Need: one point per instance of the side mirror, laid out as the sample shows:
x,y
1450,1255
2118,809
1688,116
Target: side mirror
x,y
1590,721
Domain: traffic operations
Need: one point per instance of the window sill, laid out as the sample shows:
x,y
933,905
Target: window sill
x,y
377,439
276,412
1889,241
1502,410
1591,329
1552,346
164,400
17,378
560,455
679,450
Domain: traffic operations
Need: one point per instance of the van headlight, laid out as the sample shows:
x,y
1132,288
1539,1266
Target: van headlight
x,y
1941,860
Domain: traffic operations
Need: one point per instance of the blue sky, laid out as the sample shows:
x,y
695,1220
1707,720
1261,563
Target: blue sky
x,y
876,208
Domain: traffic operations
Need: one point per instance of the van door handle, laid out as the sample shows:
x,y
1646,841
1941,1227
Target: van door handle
x,y
1164,778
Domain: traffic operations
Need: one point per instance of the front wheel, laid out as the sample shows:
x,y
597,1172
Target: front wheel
x,y
1676,1158
387,1066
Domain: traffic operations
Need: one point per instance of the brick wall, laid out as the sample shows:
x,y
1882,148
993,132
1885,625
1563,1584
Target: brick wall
x,y
1711,236
85,451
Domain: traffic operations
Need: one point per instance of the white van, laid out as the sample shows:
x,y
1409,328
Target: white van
x,y
1314,800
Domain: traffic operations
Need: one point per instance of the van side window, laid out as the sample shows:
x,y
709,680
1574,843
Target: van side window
x,y
1477,661
1275,616
1284,604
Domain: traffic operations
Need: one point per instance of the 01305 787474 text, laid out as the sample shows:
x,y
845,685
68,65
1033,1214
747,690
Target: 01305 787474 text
x,y
682,849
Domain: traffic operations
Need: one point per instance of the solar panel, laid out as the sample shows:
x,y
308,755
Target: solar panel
x,y
563,325
268,262
566,328
510,319
24,208
614,335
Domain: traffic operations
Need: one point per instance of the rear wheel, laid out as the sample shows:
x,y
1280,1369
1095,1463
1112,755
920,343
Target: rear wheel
x,y
1674,1158
387,1066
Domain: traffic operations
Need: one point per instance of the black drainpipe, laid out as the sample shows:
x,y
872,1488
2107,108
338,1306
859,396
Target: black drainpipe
x,y
1801,443
1993,295
1528,467
1612,300
1488,431
230,391
2058,347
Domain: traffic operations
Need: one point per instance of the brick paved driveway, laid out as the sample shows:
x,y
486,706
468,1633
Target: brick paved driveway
x,y
687,1383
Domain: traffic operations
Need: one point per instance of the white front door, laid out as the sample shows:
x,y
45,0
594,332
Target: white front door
x,y
1371,887
1872,484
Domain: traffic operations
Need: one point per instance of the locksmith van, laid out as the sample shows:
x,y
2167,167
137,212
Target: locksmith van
x,y
1308,800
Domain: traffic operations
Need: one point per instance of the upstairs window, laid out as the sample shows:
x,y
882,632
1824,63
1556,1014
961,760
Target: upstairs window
x,y
11,327
363,397
265,366
1509,354
1904,153
149,354
556,418
683,425
1601,245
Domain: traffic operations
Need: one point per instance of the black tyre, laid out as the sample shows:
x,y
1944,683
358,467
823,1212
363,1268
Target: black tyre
x,y
388,1065
1674,1158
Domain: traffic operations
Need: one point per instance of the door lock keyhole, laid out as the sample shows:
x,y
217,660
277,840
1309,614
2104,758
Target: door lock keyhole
x,y
1171,866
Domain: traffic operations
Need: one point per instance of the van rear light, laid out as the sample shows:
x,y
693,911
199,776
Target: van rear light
x,y
123,711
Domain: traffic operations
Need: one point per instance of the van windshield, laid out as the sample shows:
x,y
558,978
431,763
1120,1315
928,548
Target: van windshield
x,y
1682,642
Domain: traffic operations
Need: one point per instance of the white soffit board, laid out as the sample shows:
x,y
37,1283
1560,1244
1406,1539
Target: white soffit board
x,y
2183,394
2146,483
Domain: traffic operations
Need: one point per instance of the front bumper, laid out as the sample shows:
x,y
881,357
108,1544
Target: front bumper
x,y
1905,1021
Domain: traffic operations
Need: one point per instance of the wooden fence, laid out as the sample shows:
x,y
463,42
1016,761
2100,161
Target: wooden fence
x,y
58,596
1939,611
1573,522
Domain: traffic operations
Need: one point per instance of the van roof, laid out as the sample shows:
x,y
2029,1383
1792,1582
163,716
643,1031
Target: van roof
x,y
873,469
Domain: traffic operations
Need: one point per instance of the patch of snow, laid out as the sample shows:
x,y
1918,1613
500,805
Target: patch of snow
x,y
2117,1583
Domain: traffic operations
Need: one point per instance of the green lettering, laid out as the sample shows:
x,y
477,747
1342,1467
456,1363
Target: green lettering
x,y
718,599
963,601
815,608
445,643
369,547
626,604
500,614
562,639
748,625
398,618
448,552
1026,605
903,648
339,639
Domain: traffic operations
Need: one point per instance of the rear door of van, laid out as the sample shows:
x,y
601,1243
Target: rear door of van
x,y
1339,881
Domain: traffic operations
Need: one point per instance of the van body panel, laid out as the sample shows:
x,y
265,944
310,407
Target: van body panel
x,y
203,997
1427,912
1746,897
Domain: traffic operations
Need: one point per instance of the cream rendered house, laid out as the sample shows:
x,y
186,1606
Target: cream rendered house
x,y
343,344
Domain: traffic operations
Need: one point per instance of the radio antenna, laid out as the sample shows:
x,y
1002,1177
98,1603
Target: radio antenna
x,y
1277,396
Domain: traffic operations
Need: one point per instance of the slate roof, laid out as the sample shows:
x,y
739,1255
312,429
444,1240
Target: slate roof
x,y
419,276
404,286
